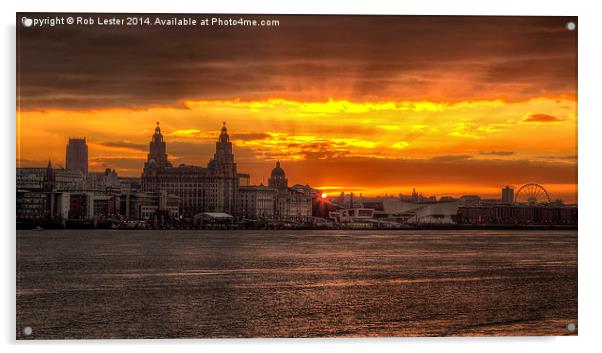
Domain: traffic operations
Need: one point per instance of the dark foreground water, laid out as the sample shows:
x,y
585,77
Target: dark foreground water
x,y
154,284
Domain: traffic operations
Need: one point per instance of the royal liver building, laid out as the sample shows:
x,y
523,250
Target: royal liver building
x,y
211,189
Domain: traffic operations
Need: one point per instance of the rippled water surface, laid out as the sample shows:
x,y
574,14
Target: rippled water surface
x,y
155,284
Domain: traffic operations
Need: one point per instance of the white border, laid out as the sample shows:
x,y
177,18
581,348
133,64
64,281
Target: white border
x,y
590,78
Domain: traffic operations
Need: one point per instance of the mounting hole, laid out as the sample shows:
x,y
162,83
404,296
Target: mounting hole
x,y
27,330
27,22
571,26
571,327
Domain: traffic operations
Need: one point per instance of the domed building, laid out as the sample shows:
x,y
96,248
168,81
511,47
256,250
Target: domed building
x,y
289,204
278,178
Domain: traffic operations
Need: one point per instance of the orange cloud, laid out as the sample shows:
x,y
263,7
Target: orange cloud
x,y
363,145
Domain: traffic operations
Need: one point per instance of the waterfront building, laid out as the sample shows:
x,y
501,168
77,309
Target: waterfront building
x,y
518,215
89,206
79,206
508,194
200,189
64,179
307,190
129,184
470,200
102,181
289,204
77,155
257,201
149,205
32,205
394,210
41,205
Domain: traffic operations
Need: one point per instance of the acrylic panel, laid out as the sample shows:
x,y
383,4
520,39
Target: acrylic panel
x,y
240,176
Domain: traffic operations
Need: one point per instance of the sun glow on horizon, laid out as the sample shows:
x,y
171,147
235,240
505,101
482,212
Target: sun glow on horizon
x,y
370,134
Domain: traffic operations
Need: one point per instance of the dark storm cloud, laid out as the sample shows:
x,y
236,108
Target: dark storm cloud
x,y
451,158
541,118
250,136
123,164
306,57
567,158
31,163
496,153
124,144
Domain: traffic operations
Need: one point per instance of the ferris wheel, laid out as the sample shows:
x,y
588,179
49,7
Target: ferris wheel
x,y
532,193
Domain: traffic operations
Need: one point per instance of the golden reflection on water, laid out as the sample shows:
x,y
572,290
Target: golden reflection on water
x,y
133,284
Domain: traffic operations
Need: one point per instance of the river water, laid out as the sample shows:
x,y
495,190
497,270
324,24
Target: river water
x,y
195,284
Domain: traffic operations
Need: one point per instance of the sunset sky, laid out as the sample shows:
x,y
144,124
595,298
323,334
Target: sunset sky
x,y
371,104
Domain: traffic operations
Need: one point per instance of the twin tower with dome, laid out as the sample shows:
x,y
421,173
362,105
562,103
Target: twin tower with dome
x,y
217,187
